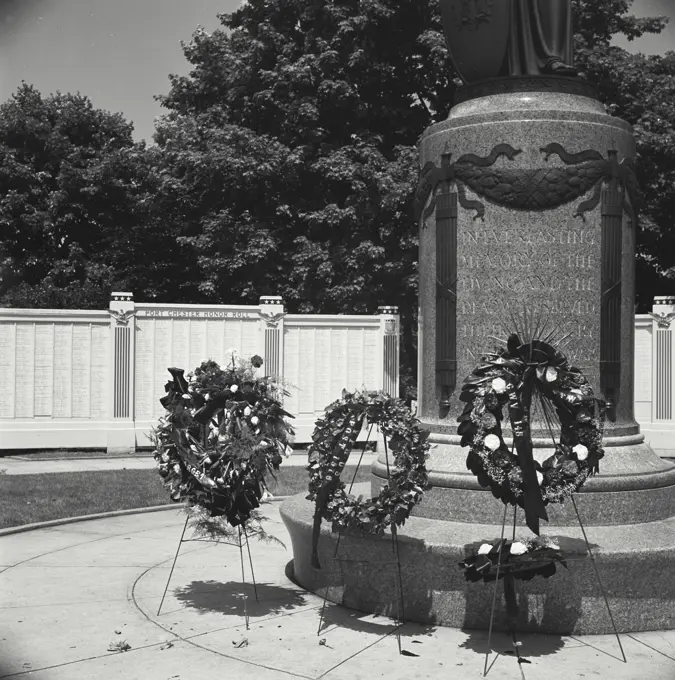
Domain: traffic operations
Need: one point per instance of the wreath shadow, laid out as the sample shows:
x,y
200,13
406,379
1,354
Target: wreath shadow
x,y
228,598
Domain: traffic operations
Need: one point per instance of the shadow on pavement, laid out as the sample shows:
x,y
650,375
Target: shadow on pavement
x,y
227,598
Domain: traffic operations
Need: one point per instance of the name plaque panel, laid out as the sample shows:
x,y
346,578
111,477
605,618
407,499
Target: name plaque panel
x,y
7,369
144,368
162,361
25,364
100,368
44,369
82,371
63,371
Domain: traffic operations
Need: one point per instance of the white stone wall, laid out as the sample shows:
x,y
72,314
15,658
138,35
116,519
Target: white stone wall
x,y
93,379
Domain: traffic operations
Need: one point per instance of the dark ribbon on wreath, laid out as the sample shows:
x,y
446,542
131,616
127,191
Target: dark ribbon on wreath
x,y
336,449
526,364
244,494
174,388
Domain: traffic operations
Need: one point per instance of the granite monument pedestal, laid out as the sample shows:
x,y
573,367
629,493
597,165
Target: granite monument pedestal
x,y
527,201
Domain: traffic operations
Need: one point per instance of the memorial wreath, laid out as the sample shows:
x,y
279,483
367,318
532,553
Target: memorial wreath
x,y
333,439
224,430
512,378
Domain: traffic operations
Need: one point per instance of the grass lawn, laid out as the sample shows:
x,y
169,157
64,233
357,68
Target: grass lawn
x,y
25,499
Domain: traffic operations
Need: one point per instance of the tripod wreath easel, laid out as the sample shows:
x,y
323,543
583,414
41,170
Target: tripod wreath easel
x,y
223,431
516,377
333,440
239,544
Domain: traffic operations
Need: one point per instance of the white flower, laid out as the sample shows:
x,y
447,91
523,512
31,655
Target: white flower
x,y
247,411
581,451
551,374
207,397
234,388
165,457
499,385
484,549
518,548
540,478
255,420
263,442
187,396
492,442
176,469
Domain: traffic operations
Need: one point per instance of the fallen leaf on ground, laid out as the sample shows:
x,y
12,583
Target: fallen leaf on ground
x,y
121,646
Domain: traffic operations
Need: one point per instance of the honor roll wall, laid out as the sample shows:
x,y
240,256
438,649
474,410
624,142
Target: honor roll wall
x,y
93,379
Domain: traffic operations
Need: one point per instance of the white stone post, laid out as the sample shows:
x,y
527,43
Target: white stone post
x,y
663,370
390,330
121,431
272,325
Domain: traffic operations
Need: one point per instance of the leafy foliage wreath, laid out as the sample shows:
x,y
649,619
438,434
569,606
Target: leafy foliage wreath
x,y
512,377
523,560
333,439
223,431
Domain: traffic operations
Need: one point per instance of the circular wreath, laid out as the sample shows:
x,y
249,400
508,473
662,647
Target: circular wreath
x,y
223,431
513,377
333,439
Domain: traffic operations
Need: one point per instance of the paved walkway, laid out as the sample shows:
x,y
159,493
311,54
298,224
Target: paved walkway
x,y
24,466
69,593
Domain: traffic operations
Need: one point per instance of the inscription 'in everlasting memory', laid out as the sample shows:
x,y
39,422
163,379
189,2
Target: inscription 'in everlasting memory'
x,y
552,273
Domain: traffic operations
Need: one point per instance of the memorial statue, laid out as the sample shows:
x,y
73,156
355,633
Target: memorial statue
x,y
502,38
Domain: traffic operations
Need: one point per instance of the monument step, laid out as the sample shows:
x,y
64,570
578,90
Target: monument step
x,y
634,563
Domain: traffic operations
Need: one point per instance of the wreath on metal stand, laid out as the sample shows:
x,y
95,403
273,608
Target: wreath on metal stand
x,y
223,432
333,440
515,378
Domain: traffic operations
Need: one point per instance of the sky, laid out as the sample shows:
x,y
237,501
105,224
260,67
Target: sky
x,y
120,52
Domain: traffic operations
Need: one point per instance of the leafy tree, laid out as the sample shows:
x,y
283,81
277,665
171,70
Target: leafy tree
x,y
289,150
75,205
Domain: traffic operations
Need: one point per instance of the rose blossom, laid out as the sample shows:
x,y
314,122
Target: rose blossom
x,y
551,374
255,420
234,388
492,442
499,385
518,548
581,451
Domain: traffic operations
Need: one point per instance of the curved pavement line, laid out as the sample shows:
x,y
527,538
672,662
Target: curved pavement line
x,y
188,640
75,545
99,515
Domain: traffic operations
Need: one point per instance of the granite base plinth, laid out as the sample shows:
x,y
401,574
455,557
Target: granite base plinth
x,y
634,486
634,561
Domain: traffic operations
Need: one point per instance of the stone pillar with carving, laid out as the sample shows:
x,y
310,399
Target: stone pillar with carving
x,y
272,322
390,329
663,365
121,432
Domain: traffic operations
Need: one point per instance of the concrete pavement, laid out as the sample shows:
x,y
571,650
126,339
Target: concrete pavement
x,y
68,594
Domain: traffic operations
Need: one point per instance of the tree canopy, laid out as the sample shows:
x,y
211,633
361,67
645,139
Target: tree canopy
x,y
286,162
